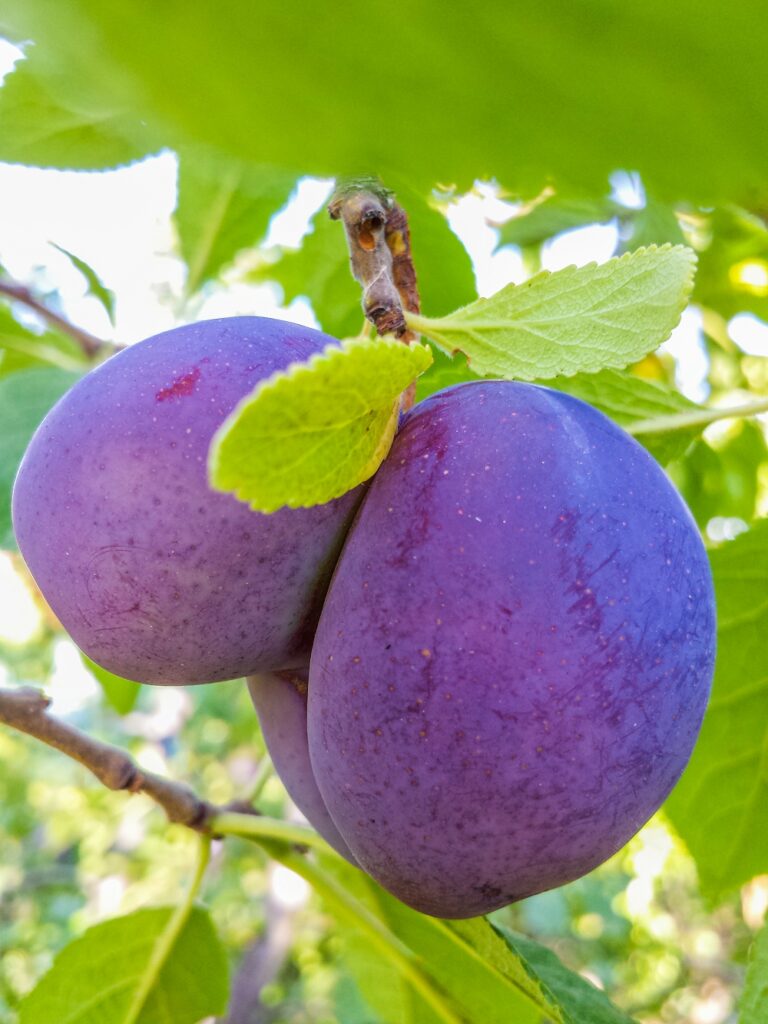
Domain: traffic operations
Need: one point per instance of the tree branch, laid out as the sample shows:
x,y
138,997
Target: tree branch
x,y
26,709
89,343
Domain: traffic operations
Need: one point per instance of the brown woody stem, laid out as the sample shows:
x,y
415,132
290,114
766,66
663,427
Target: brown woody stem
x,y
380,256
89,343
26,709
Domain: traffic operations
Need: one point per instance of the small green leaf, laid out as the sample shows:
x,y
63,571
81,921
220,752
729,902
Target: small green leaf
x,y
95,978
25,398
754,1002
316,430
121,694
581,319
628,400
224,206
96,286
720,805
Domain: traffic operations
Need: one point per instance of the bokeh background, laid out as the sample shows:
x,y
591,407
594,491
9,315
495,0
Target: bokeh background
x,y
124,253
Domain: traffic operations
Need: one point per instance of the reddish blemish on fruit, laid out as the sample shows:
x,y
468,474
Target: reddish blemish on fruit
x,y
181,387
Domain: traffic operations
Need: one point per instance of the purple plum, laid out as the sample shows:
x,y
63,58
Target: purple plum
x,y
155,576
280,700
515,652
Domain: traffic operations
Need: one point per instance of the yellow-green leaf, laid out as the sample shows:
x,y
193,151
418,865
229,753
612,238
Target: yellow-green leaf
x,y
312,432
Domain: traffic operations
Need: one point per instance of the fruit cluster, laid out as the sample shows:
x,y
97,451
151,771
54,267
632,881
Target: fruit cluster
x,y
478,677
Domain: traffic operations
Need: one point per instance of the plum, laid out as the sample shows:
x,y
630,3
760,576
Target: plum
x,y
515,653
155,576
280,699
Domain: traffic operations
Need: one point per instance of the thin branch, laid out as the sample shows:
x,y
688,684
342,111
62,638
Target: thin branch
x,y
26,709
89,343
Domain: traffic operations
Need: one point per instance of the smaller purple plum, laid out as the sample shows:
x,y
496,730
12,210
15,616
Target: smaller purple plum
x,y
280,699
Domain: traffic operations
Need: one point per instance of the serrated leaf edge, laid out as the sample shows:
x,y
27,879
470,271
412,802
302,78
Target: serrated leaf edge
x,y
430,326
303,367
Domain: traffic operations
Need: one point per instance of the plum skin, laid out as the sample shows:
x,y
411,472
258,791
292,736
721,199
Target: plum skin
x,y
515,652
280,700
154,575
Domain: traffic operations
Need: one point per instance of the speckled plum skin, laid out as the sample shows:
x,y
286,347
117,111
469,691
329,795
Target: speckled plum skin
x,y
155,576
280,700
515,652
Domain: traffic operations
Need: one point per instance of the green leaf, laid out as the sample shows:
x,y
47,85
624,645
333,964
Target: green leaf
x,y
754,1001
578,319
25,398
628,400
45,122
223,206
491,975
121,694
96,286
529,90
535,222
578,1001
316,430
382,986
94,979
720,805
466,958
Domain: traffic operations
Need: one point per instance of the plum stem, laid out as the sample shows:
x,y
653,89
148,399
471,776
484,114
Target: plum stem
x,y
264,773
259,828
89,343
169,935
379,242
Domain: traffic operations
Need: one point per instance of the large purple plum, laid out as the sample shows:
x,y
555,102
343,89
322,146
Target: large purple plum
x,y
280,700
515,653
157,577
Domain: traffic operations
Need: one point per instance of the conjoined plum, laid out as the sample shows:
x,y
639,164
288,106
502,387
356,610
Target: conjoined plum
x,y
157,577
280,700
515,652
